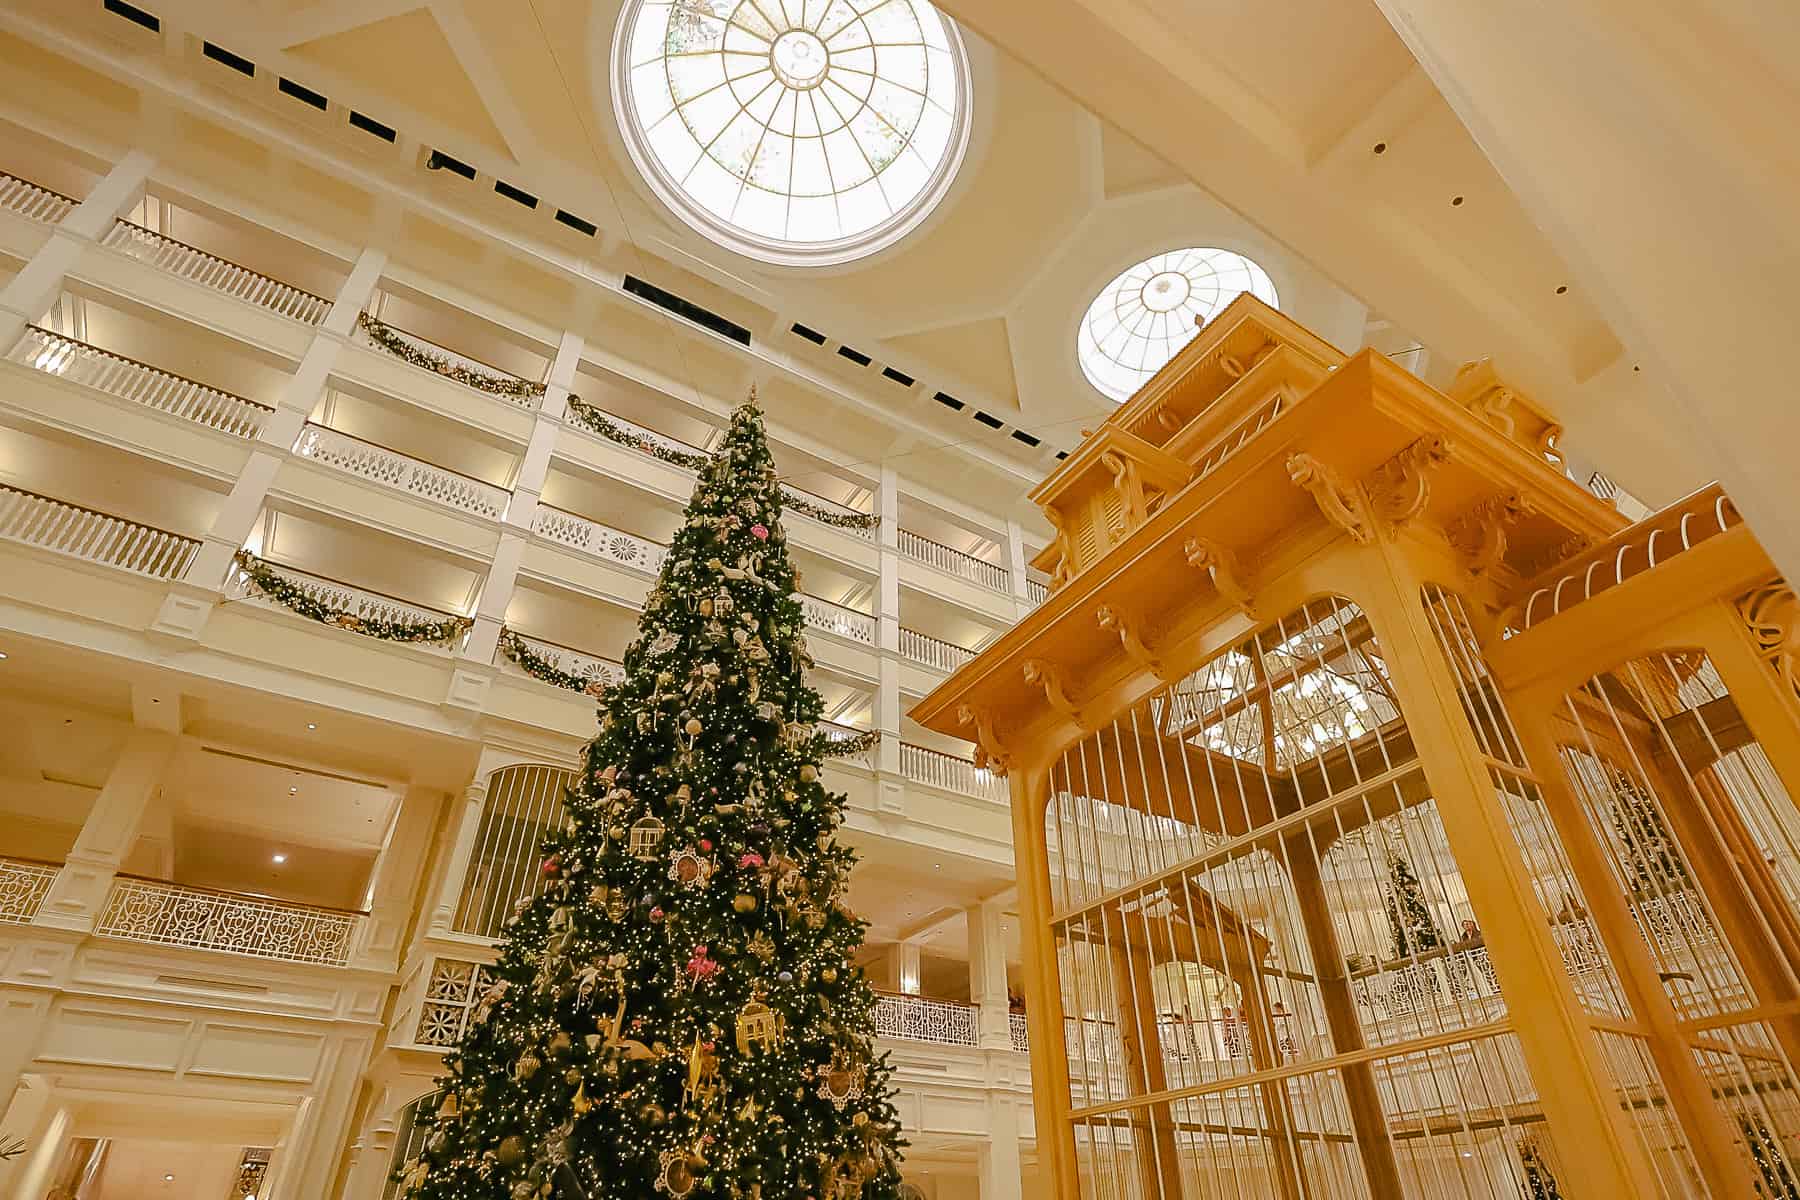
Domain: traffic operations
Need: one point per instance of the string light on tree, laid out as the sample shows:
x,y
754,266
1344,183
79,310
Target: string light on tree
x,y
675,1013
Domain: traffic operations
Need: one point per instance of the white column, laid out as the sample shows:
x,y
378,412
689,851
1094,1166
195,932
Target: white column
x,y
304,1165
998,1157
469,689
397,880
458,849
31,291
1654,145
888,702
906,968
371,1155
34,1178
106,837
23,1014
987,974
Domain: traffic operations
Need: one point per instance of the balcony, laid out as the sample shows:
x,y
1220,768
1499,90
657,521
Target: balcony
x,y
516,649
934,768
210,271
24,883
32,202
128,379
167,914
345,606
402,473
932,652
920,548
427,355
93,536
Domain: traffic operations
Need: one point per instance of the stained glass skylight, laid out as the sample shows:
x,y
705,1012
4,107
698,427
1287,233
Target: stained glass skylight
x,y
794,131
1150,311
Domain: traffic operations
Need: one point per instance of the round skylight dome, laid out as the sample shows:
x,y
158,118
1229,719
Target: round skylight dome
x,y
1150,311
794,131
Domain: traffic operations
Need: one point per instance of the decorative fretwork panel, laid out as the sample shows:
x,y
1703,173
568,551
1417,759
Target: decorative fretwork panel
x,y
23,886
453,989
144,910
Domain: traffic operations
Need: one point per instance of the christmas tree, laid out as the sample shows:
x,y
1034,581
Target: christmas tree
x,y
676,1012
1655,864
1540,1183
1777,1180
1410,927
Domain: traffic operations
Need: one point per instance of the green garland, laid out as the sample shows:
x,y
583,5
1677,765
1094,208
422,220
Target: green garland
x,y
857,744
595,421
391,339
290,595
541,668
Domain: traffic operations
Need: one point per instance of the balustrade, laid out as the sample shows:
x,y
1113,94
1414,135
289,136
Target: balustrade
x,y
937,769
439,359
403,473
167,914
956,562
1037,591
916,1019
356,603
601,541
93,536
828,617
1018,1029
31,201
128,379
209,270
932,652
23,885
563,658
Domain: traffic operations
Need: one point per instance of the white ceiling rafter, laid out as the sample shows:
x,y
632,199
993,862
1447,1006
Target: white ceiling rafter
x,y
258,27
478,64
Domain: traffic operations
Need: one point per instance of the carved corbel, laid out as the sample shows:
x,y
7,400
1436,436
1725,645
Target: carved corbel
x,y
1124,474
1344,505
1771,614
1222,565
1064,569
1042,673
1404,481
990,755
1484,533
1113,621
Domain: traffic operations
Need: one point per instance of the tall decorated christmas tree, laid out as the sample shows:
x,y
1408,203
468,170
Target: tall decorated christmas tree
x,y
676,1013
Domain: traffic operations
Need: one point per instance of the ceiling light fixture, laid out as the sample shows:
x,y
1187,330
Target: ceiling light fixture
x,y
2,656
311,726
279,859
168,1178
293,791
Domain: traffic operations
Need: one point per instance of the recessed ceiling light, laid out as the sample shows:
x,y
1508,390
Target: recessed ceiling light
x,y
2,656
311,725
937,866
168,1178
294,791
279,859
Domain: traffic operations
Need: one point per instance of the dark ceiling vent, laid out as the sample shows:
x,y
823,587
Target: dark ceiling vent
x,y
811,335
899,377
948,401
576,223
1019,435
516,195
302,93
687,310
370,125
236,62
855,356
134,14
990,422
439,161
1061,454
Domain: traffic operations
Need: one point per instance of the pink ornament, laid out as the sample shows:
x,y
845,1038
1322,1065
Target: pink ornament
x,y
700,966
750,861
760,532
656,914
550,865
705,845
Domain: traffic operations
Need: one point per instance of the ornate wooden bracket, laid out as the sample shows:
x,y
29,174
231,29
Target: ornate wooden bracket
x,y
1222,565
1484,535
1343,504
1112,620
1047,675
1771,613
1403,482
990,755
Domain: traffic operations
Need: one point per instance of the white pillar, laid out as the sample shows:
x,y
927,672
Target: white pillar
x,y
80,888
889,705
31,291
304,1165
458,849
1654,145
998,1157
23,1014
397,880
987,974
37,1174
906,968
370,1157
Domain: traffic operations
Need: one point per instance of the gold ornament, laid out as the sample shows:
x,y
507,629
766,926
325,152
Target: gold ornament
x,y
692,726
581,1104
761,946
615,906
689,869
511,1151
841,1082
758,1028
528,1065
808,773
828,974
744,902
702,1087
449,1108
647,839
680,1171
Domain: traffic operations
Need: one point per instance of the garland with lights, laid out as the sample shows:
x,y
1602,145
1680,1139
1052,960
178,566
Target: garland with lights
x,y
277,587
595,421
395,342
538,667
676,1010
856,743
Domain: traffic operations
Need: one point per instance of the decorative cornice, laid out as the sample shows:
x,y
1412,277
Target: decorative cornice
x,y
1343,504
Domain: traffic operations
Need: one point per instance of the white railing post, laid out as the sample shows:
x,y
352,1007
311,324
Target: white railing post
x,y
76,897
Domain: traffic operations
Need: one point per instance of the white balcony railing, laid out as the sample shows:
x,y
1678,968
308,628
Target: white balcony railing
x,y
1037,590
936,769
1018,1031
955,562
145,910
439,359
128,379
31,201
403,473
23,886
932,652
828,617
93,536
601,541
563,658
340,597
209,270
916,1019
